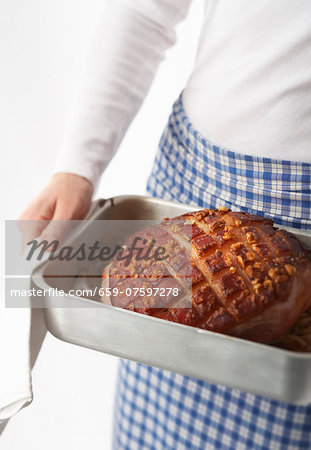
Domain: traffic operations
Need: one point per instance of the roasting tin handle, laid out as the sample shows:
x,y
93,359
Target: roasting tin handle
x,y
96,205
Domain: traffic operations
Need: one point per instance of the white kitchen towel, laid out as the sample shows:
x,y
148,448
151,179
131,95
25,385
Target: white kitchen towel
x,y
15,375
22,332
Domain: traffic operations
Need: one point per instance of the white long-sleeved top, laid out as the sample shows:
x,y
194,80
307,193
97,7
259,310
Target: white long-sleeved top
x,y
250,89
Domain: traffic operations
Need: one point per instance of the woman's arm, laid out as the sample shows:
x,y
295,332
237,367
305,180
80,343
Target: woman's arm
x,y
129,44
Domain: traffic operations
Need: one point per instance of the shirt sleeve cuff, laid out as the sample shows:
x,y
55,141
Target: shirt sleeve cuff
x,y
79,167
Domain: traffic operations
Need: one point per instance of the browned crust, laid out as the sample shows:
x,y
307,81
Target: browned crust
x,y
249,279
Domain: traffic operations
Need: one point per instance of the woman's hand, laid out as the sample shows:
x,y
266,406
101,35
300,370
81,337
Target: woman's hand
x,y
66,197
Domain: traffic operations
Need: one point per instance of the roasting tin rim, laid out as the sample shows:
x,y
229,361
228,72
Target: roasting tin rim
x,y
38,277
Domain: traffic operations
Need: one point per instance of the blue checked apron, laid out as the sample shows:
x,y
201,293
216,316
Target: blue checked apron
x,y
157,409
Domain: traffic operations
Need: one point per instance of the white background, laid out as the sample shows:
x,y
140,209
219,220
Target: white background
x,y
42,49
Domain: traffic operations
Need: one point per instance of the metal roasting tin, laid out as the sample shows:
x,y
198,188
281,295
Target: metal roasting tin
x,y
261,369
